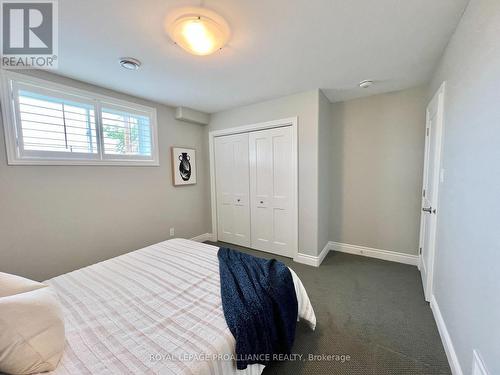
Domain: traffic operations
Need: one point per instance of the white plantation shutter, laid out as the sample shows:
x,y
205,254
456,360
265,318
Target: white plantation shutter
x,y
55,125
47,123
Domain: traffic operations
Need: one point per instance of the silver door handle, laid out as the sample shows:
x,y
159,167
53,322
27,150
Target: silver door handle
x,y
428,210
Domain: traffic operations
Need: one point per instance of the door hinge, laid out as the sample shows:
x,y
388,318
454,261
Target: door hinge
x,y
423,193
420,251
427,131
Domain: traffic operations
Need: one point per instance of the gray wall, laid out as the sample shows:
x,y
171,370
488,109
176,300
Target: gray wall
x,y
467,281
377,159
325,170
54,219
305,106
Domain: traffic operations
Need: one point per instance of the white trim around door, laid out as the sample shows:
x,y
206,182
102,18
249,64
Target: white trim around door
x,y
292,122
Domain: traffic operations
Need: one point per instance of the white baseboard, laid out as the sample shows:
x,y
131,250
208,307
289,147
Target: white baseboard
x,y
375,253
203,237
392,256
324,253
445,338
312,260
315,261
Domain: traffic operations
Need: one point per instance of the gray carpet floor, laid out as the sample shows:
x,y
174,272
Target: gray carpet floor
x,y
370,310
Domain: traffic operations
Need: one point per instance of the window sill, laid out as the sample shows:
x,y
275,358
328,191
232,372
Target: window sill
x,y
107,163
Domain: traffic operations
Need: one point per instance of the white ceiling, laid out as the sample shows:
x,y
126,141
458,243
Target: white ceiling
x,y
278,47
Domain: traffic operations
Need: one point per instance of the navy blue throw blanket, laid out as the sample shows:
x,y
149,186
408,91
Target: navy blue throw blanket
x,y
260,306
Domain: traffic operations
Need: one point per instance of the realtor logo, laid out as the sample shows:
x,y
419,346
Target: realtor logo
x,y
29,34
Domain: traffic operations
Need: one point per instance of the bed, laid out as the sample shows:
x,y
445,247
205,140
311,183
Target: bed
x,y
156,310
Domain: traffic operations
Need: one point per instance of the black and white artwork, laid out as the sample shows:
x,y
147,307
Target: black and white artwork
x,y
183,166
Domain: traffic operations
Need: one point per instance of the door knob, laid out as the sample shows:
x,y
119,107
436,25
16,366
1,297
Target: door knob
x,y
261,202
238,199
428,210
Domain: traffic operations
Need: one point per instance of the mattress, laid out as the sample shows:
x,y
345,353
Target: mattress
x,y
156,310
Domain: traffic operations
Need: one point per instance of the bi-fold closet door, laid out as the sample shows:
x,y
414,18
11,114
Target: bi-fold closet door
x,y
232,181
254,184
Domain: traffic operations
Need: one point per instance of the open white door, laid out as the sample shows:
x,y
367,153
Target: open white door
x,y
433,174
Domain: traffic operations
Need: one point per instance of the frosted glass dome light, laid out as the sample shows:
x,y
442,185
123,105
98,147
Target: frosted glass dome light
x,y
198,31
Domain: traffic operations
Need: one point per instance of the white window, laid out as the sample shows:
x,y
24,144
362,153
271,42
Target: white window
x,y
51,124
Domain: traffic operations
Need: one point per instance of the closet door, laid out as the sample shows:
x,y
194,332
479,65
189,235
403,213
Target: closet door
x,y
232,186
271,191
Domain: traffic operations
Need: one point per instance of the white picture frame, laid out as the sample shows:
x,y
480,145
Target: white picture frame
x,y
183,166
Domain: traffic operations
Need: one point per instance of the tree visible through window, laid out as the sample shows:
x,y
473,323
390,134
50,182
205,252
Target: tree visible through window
x,y
125,133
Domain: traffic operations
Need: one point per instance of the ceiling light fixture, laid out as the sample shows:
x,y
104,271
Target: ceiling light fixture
x,y
130,63
366,83
199,31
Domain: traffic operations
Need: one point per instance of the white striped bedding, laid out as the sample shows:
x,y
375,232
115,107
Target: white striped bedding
x,y
156,310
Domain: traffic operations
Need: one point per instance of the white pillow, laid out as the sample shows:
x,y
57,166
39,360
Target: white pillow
x,y
31,326
12,284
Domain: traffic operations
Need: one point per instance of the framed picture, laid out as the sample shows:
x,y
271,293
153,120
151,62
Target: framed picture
x,y
183,166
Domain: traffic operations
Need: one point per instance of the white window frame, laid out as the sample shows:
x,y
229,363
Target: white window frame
x,y
11,82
